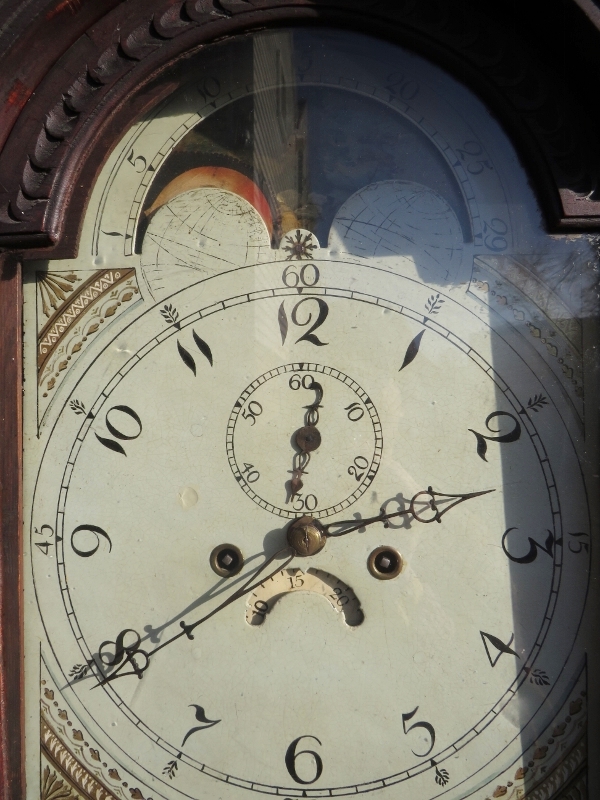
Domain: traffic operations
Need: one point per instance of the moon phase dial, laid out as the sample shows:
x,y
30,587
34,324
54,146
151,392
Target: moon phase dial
x,y
265,450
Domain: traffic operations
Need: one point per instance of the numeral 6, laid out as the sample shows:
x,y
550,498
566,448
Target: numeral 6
x,y
291,755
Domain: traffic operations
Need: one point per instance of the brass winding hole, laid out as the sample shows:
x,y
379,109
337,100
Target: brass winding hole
x,y
385,563
226,560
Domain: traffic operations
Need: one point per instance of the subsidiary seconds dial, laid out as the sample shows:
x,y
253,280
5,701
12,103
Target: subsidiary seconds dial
x,y
304,437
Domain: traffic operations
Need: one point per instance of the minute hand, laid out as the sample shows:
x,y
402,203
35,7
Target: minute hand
x,y
139,659
429,513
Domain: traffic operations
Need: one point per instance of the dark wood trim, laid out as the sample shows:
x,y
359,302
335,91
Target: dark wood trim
x,y
51,28
12,784
132,51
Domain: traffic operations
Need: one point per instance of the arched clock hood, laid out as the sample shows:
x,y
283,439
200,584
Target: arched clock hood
x,y
76,73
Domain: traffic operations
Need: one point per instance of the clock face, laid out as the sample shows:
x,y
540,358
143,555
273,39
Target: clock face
x,y
307,516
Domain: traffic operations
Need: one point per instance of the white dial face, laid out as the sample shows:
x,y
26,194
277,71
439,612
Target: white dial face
x,y
354,355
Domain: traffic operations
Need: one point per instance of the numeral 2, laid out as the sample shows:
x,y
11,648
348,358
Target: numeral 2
x,y
309,336
511,436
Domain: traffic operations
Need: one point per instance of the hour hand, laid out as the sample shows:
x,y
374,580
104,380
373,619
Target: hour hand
x,y
425,506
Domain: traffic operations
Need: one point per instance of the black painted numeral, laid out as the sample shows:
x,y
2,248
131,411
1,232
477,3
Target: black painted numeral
x,y
468,153
187,357
84,547
534,547
308,276
139,163
581,543
114,430
127,653
400,86
500,647
354,412
360,463
261,608
203,719
309,503
493,236
412,350
338,595
253,410
292,755
251,474
309,336
47,532
511,436
427,726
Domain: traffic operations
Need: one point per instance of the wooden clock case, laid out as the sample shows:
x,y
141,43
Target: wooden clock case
x,y
74,74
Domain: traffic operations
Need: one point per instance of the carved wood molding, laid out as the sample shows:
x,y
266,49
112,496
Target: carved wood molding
x,y
125,62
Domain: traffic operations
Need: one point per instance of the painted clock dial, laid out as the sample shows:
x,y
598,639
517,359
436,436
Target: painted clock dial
x,y
307,512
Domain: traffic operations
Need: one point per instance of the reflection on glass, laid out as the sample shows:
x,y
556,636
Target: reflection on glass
x,y
331,241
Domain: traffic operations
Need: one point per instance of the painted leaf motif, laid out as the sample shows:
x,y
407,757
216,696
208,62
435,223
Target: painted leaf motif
x,y
540,678
412,350
203,347
283,322
111,444
186,357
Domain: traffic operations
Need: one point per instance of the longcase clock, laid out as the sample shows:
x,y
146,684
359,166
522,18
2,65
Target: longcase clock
x,y
300,407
